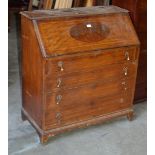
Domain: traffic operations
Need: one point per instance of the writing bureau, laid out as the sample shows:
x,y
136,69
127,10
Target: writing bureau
x,y
79,67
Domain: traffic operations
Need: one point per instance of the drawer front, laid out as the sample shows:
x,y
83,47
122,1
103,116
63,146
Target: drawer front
x,y
74,105
102,74
89,60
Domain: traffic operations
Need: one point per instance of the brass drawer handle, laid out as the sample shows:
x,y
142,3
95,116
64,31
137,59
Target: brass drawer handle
x,y
58,117
60,64
58,99
125,88
125,71
59,81
124,83
127,56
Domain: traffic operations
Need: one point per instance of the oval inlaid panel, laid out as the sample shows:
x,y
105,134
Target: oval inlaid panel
x,y
89,32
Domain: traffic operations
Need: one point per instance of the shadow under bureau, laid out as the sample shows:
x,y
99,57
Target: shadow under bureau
x,y
79,67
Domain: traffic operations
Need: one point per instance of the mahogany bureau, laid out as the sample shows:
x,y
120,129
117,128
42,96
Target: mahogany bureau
x,y
79,67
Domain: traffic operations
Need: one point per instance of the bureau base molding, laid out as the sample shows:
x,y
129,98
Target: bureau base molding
x,y
46,135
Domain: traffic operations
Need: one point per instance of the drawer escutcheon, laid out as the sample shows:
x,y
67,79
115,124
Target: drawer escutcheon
x,y
59,81
125,69
61,65
58,116
127,56
58,99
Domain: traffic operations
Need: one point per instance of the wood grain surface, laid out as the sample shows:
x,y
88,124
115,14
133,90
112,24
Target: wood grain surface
x,y
69,83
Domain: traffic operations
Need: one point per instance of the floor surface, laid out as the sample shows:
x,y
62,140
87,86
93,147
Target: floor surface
x,y
116,137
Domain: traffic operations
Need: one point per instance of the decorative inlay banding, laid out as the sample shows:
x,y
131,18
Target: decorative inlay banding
x,y
89,32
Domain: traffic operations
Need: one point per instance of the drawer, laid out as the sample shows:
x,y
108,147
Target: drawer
x,y
78,79
89,60
86,102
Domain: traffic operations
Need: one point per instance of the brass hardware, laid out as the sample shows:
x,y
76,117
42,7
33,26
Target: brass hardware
x,y
58,82
125,88
123,83
60,64
58,117
127,56
58,99
88,25
125,71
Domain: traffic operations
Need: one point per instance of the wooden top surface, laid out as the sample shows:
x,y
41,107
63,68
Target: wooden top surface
x,y
73,12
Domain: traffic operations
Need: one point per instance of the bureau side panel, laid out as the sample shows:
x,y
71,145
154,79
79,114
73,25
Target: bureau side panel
x,y
32,73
